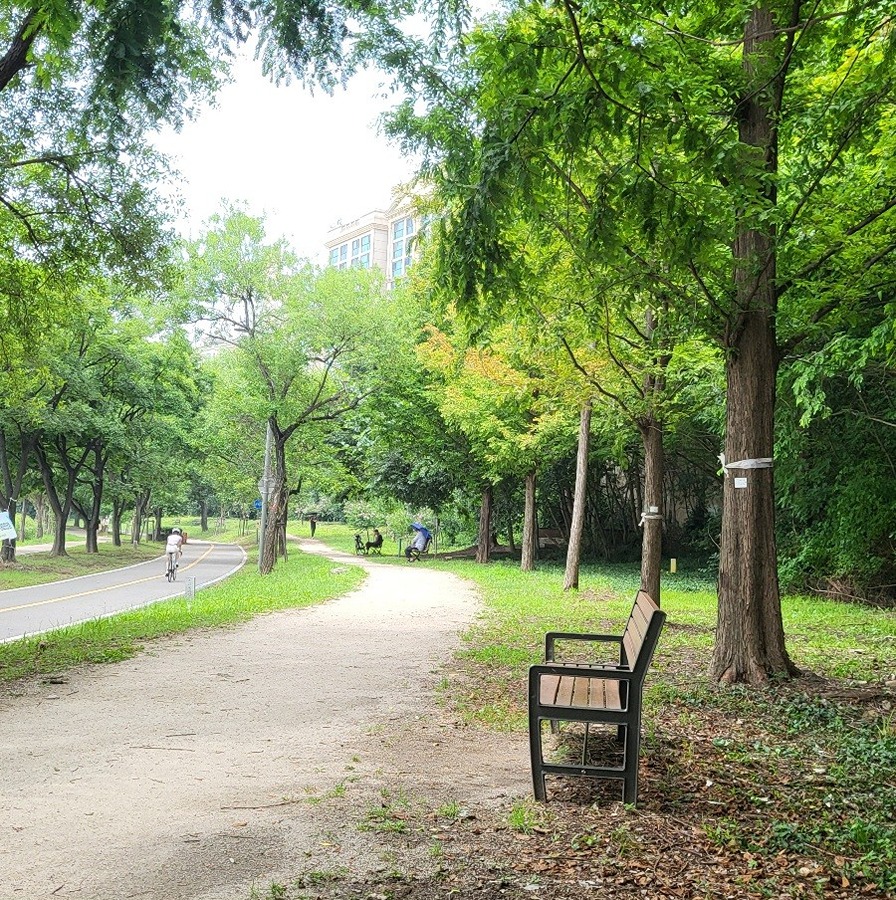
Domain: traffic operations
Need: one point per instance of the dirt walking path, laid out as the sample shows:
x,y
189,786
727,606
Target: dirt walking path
x,y
215,764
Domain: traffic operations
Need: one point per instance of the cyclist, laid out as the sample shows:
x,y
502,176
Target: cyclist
x,y
173,545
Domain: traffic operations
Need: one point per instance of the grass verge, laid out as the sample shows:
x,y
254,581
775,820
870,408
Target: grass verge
x,y
301,581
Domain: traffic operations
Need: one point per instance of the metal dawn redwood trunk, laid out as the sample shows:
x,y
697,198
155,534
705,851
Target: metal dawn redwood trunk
x,y
750,635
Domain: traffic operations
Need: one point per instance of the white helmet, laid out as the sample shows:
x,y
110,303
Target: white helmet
x,y
175,531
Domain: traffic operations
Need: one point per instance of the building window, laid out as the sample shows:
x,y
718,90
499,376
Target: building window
x,y
365,243
364,260
334,256
398,249
398,268
397,230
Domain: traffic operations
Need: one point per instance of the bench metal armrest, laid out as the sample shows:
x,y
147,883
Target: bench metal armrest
x,y
551,638
617,673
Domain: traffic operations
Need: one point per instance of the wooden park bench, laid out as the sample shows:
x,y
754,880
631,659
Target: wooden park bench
x,y
595,692
550,537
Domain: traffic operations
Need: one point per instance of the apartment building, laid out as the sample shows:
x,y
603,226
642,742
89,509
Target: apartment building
x,y
381,238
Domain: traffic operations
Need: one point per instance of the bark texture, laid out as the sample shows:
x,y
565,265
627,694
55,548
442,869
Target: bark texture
x,y
750,635
484,541
652,540
530,534
577,525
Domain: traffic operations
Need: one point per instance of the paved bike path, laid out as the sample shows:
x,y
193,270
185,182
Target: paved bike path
x,y
44,607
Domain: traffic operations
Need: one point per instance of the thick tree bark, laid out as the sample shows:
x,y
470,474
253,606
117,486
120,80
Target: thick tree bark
x,y
141,504
750,635
97,486
275,522
484,540
16,57
60,504
577,526
203,515
272,528
117,512
530,531
41,512
652,516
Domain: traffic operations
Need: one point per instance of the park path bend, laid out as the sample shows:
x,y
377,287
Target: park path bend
x,y
186,772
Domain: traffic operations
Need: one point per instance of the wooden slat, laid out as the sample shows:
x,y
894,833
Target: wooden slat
x,y
564,691
611,694
548,688
581,691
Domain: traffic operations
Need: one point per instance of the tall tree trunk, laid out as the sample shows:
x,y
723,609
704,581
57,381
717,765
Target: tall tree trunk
x,y
60,504
203,515
652,517
530,529
272,528
484,541
278,499
141,504
97,485
577,526
750,635
41,512
117,512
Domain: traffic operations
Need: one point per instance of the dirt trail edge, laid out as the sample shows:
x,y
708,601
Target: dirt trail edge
x,y
218,763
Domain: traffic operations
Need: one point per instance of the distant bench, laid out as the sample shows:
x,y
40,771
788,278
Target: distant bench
x,y
595,692
551,537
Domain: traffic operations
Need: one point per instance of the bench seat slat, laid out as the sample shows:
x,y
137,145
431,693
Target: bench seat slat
x,y
577,691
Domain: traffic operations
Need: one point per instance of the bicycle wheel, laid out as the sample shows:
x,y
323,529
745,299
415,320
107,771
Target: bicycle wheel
x,y
171,572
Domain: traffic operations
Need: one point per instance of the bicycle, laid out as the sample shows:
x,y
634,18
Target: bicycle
x,y
171,571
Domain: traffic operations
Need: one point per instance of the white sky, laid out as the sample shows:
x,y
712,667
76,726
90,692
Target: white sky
x,y
302,161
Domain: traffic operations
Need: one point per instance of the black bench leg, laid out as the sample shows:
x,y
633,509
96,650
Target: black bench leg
x,y
632,755
536,754
535,751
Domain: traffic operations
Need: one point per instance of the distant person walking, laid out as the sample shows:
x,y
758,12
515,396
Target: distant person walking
x,y
312,521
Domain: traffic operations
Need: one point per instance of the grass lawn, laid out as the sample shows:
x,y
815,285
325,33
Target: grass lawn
x,y
790,789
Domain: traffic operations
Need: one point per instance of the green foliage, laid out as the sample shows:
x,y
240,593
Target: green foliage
x,y
836,485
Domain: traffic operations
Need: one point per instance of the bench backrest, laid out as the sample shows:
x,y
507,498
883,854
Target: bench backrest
x,y
642,631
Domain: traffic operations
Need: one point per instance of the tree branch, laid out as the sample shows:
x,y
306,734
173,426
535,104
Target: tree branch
x,y
16,57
